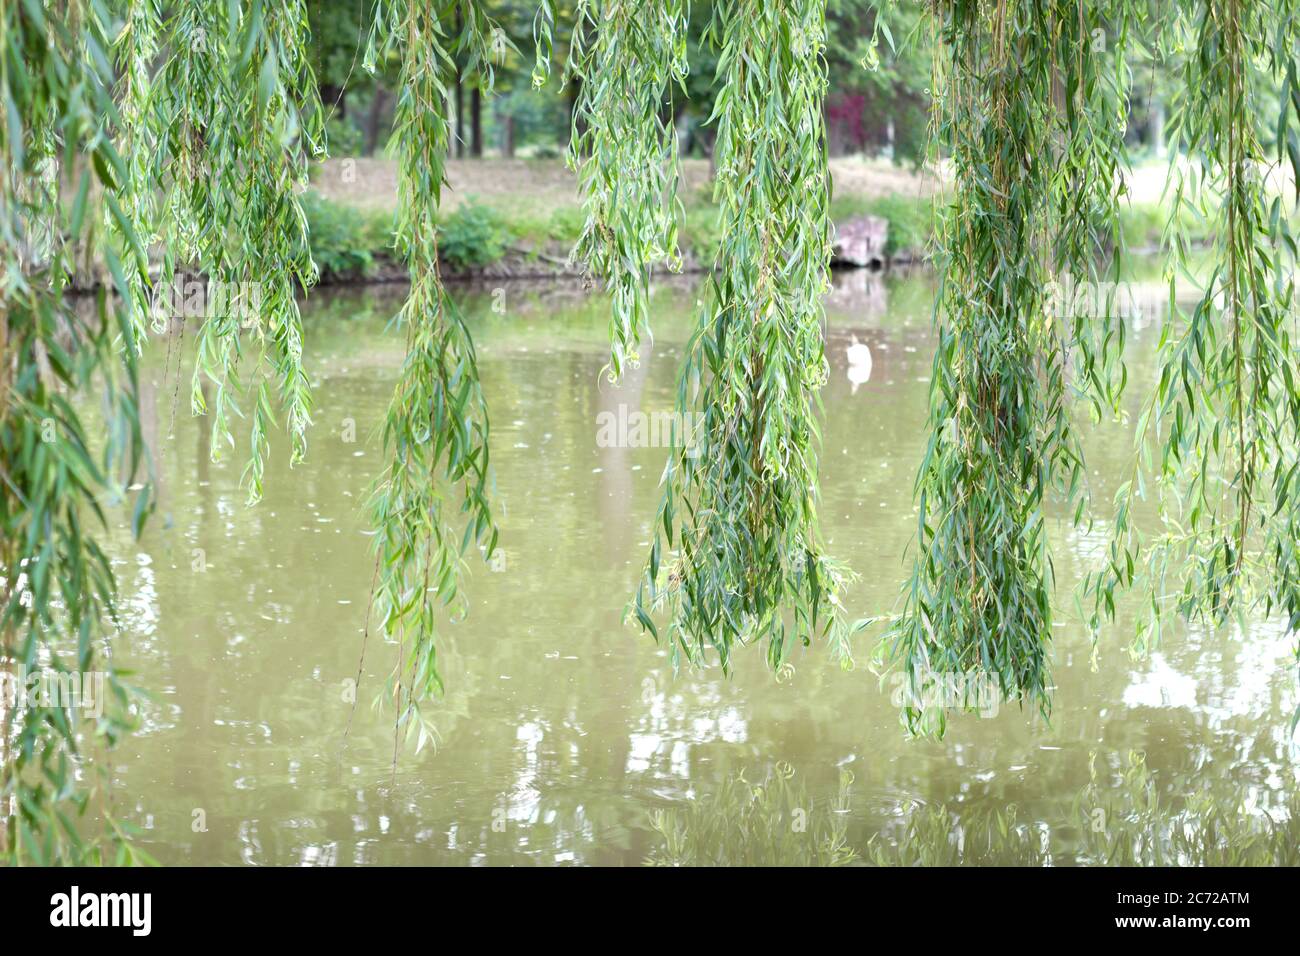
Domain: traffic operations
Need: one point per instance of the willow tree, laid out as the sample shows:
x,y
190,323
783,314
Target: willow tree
x,y
737,555
1031,100
1219,436
221,116
625,57
1028,106
60,179
436,430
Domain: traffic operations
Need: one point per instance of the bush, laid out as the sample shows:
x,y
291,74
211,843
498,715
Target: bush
x,y
342,243
910,223
473,236
343,136
566,223
702,235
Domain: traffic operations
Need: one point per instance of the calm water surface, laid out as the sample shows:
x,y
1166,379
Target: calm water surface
x,y
563,731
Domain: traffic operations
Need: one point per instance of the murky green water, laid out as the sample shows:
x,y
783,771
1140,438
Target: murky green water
x,y
563,731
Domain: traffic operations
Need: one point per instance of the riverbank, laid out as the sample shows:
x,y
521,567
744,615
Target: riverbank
x,y
518,218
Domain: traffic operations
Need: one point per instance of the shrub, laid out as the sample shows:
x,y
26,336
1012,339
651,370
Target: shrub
x,y
910,223
344,137
340,236
702,235
566,224
473,236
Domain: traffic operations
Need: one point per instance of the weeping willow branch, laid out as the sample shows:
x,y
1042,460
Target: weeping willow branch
x,y
737,554
226,128
543,42
1223,425
59,176
1087,191
136,49
436,430
625,56
1028,113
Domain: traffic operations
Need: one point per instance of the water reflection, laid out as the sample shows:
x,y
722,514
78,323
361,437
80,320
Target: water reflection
x,y
564,735
1126,821
772,822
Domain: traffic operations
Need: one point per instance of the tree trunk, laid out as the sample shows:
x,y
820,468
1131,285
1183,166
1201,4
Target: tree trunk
x,y
460,118
508,136
331,95
570,131
476,122
374,120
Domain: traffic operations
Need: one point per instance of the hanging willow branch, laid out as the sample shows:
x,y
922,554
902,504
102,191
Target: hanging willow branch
x,y
1087,191
543,42
1032,118
1223,424
57,590
136,49
436,430
625,56
737,554
228,125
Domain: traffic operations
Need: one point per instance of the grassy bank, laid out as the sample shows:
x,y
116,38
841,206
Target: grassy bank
x,y
507,217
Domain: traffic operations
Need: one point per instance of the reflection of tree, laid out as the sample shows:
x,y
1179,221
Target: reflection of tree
x,y
1129,822
774,822
152,438
615,503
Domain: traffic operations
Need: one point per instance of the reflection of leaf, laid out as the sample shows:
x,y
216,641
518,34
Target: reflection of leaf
x,y
775,823
1109,823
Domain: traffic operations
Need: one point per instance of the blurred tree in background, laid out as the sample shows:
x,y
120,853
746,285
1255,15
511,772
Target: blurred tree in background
x,y
878,104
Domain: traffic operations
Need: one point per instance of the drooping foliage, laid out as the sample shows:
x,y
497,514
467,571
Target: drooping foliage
x,y
737,555
135,53
203,166
221,115
1218,438
1030,98
436,430
60,176
625,58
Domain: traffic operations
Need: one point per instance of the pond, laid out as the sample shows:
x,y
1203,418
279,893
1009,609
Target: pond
x,y
564,736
